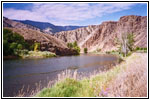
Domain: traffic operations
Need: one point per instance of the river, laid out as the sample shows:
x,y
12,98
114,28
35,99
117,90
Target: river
x,y
19,73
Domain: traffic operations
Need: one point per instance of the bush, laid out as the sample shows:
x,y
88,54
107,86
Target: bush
x,y
77,49
74,46
36,46
12,41
85,50
98,50
67,88
69,45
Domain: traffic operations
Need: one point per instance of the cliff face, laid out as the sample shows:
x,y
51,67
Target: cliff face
x,y
78,35
103,36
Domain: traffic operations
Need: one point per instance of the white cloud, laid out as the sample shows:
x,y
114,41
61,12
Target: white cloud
x,y
65,13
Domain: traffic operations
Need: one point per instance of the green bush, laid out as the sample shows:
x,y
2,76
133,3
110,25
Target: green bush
x,y
67,88
12,41
77,49
69,45
74,46
85,50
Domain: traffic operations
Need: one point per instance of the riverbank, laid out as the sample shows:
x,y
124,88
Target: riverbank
x,y
124,80
31,55
38,54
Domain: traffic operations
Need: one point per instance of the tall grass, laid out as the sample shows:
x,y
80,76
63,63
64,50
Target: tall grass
x,y
132,82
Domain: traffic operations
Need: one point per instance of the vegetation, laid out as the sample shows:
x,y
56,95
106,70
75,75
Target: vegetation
x,y
36,46
15,45
138,49
12,42
85,50
104,84
126,42
38,54
74,46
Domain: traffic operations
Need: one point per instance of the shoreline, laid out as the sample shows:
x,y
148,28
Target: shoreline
x,y
105,78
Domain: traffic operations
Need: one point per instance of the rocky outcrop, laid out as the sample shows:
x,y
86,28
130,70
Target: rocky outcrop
x,y
103,36
78,35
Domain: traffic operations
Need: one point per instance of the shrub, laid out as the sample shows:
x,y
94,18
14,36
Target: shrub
x,y
98,50
69,45
36,46
77,49
19,46
67,88
12,41
74,46
85,50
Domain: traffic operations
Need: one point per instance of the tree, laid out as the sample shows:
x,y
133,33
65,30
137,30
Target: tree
x,y
13,45
70,45
77,49
75,44
12,41
36,46
131,41
19,46
85,50
126,43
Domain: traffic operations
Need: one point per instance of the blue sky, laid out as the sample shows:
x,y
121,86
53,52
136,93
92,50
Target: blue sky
x,y
72,13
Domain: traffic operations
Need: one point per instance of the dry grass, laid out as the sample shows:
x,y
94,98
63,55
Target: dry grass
x,y
132,82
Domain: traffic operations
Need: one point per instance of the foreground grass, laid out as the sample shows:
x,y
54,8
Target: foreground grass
x,y
110,83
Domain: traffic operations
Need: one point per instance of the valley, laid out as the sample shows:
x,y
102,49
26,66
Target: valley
x,y
72,58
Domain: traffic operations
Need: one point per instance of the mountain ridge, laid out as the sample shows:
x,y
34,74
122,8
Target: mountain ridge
x,y
47,27
103,36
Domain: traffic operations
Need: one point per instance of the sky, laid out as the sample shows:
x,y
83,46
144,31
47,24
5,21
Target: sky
x,y
81,14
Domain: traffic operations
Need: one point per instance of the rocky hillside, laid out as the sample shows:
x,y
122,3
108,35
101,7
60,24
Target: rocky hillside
x,y
10,23
47,42
103,36
48,27
32,35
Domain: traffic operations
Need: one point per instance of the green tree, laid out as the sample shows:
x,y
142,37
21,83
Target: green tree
x,y
12,41
19,47
77,49
85,50
130,38
75,44
70,45
36,46
126,43
13,45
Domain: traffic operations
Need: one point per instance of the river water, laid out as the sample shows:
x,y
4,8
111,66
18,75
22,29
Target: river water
x,y
21,73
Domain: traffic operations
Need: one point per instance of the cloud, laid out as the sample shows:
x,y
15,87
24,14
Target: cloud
x,y
66,13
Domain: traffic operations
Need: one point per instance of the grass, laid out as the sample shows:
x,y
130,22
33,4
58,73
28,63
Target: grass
x,y
132,82
72,87
128,79
38,54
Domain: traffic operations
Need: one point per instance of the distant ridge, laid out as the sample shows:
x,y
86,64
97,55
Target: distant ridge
x,y
48,27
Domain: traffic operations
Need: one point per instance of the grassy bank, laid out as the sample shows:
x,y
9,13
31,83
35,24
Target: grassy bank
x,y
126,79
37,54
